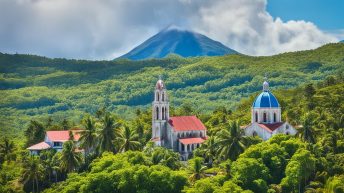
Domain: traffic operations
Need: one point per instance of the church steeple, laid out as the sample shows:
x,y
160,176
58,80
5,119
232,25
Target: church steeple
x,y
160,103
160,110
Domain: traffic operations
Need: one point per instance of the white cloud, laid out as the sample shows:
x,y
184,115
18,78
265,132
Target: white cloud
x,y
105,29
246,26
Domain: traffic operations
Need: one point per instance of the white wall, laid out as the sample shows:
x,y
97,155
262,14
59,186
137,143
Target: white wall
x,y
269,112
262,133
286,128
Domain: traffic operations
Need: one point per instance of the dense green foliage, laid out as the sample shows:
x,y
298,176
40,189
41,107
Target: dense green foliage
x,y
282,164
38,87
125,172
118,156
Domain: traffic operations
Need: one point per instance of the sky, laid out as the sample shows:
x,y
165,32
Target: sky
x,y
106,29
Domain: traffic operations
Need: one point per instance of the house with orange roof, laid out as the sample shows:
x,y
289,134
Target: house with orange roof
x,y
54,140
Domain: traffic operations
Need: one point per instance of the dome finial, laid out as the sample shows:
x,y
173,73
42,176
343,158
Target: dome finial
x,y
265,83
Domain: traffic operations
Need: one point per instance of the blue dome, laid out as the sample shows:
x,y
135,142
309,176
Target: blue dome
x,y
265,100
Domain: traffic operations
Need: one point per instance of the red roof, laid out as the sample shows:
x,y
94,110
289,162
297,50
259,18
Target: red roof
x,y
39,146
271,127
194,140
186,123
62,136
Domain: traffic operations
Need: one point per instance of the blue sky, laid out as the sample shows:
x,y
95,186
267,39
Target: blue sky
x,y
326,14
106,29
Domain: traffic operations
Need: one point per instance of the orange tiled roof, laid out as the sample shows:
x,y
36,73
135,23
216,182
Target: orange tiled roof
x,y
62,136
194,140
271,127
186,123
39,146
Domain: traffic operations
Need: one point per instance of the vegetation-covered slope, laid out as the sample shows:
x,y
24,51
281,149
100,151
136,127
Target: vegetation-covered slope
x,y
310,162
38,87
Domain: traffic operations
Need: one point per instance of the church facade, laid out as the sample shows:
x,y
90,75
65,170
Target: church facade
x,y
182,134
266,118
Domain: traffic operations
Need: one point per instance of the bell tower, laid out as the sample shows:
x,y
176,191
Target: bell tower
x,y
160,113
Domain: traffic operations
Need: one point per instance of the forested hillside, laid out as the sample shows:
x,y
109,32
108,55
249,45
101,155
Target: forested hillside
x,y
34,87
310,162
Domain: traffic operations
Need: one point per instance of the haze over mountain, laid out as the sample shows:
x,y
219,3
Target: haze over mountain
x,y
173,40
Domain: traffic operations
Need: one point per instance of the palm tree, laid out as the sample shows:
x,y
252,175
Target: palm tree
x,y
127,140
210,150
88,137
46,158
108,133
231,142
166,157
69,159
55,163
32,171
6,149
197,169
306,131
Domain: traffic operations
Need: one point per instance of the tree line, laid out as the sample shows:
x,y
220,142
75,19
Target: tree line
x,y
119,158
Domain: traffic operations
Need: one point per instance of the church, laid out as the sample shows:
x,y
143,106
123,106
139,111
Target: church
x,y
266,117
180,133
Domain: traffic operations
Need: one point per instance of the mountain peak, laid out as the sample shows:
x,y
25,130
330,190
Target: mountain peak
x,y
176,40
173,28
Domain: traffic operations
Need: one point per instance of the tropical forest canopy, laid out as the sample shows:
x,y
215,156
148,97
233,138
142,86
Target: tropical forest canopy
x,y
119,157
110,102
34,87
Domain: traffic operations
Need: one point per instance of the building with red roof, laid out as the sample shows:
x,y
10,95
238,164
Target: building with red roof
x,y
54,140
181,133
266,117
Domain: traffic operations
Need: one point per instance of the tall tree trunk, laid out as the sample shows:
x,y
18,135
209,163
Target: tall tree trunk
x,y
85,156
33,185
299,187
37,184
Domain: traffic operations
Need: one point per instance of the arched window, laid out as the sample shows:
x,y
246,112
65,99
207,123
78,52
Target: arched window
x,y
287,133
163,97
163,113
254,133
256,117
157,112
274,117
264,117
158,97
